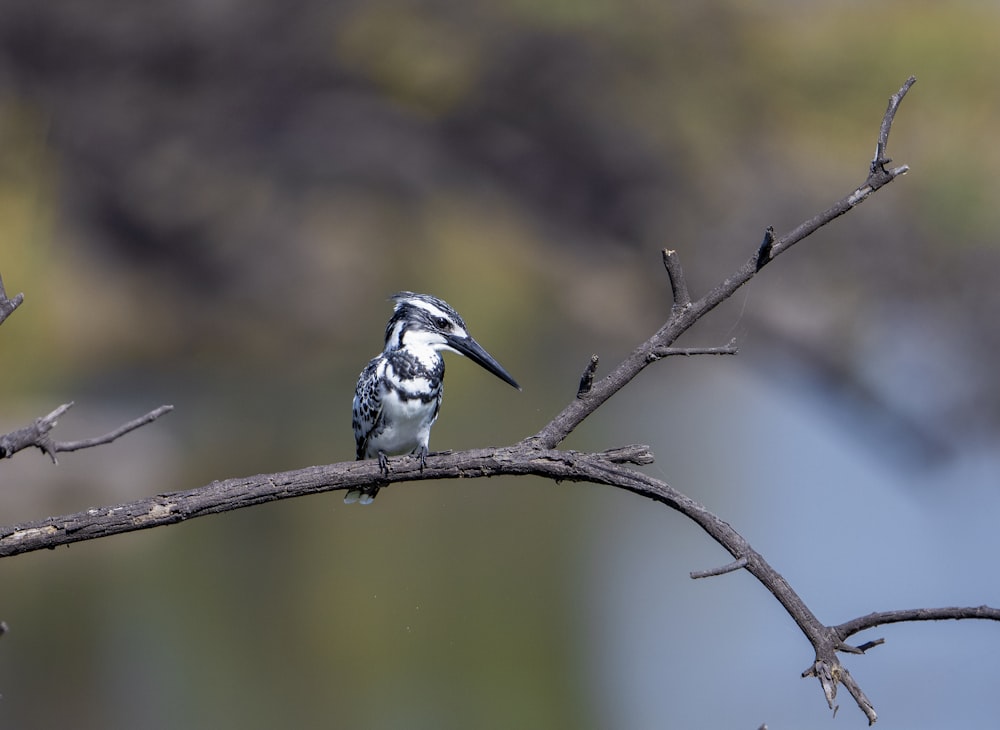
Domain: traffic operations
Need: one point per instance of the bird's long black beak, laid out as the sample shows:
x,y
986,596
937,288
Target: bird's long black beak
x,y
474,351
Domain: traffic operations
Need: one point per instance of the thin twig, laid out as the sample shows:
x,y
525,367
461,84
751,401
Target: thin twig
x,y
37,434
678,282
880,618
870,645
587,379
112,435
764,250
721,570
657,353
880,160
633,454
7,306
860,648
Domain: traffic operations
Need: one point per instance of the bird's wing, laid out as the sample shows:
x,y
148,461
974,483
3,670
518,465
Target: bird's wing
x,y
367,409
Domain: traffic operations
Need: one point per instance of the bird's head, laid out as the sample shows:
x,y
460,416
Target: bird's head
x,y
423,320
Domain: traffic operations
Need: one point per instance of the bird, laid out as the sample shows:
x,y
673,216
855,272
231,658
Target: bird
x,y
398,396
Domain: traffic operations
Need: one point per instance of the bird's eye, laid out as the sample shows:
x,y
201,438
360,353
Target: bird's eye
x,y
442,323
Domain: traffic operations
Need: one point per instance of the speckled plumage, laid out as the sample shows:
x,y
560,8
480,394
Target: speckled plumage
x,y
398,378
398,396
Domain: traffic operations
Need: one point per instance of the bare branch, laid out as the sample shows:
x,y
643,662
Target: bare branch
x,y
587,379
864,704
829,676
37,434
862,648
880,618
721,570
112,435
634,454
764,251
230,494
535,455
683,318
880,160
678,283
657,353
7,306
519,459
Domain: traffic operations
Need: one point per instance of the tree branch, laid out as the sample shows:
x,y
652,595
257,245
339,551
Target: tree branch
x,y
7,306
880,160
678,282
231,494
721,570
683,317
37,434
854,626
536,455
657,353
587,379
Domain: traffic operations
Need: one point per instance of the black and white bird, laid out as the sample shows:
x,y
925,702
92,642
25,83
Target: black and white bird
x,y
399,392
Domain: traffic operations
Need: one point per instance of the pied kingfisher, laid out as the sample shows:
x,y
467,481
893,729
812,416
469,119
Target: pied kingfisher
x,y
399,392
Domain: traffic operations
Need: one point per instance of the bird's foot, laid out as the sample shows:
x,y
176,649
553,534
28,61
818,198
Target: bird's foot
x,y
422,455
366,495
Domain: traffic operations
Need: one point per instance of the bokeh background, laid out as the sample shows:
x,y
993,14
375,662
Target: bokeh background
x,y
206,203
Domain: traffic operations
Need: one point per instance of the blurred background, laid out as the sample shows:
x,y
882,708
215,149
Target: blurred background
x,y
207,203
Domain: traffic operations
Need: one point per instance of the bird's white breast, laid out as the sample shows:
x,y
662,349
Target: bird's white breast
x,y
407,424
409,407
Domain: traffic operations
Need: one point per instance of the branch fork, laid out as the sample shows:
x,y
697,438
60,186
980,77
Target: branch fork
x,y
37,434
